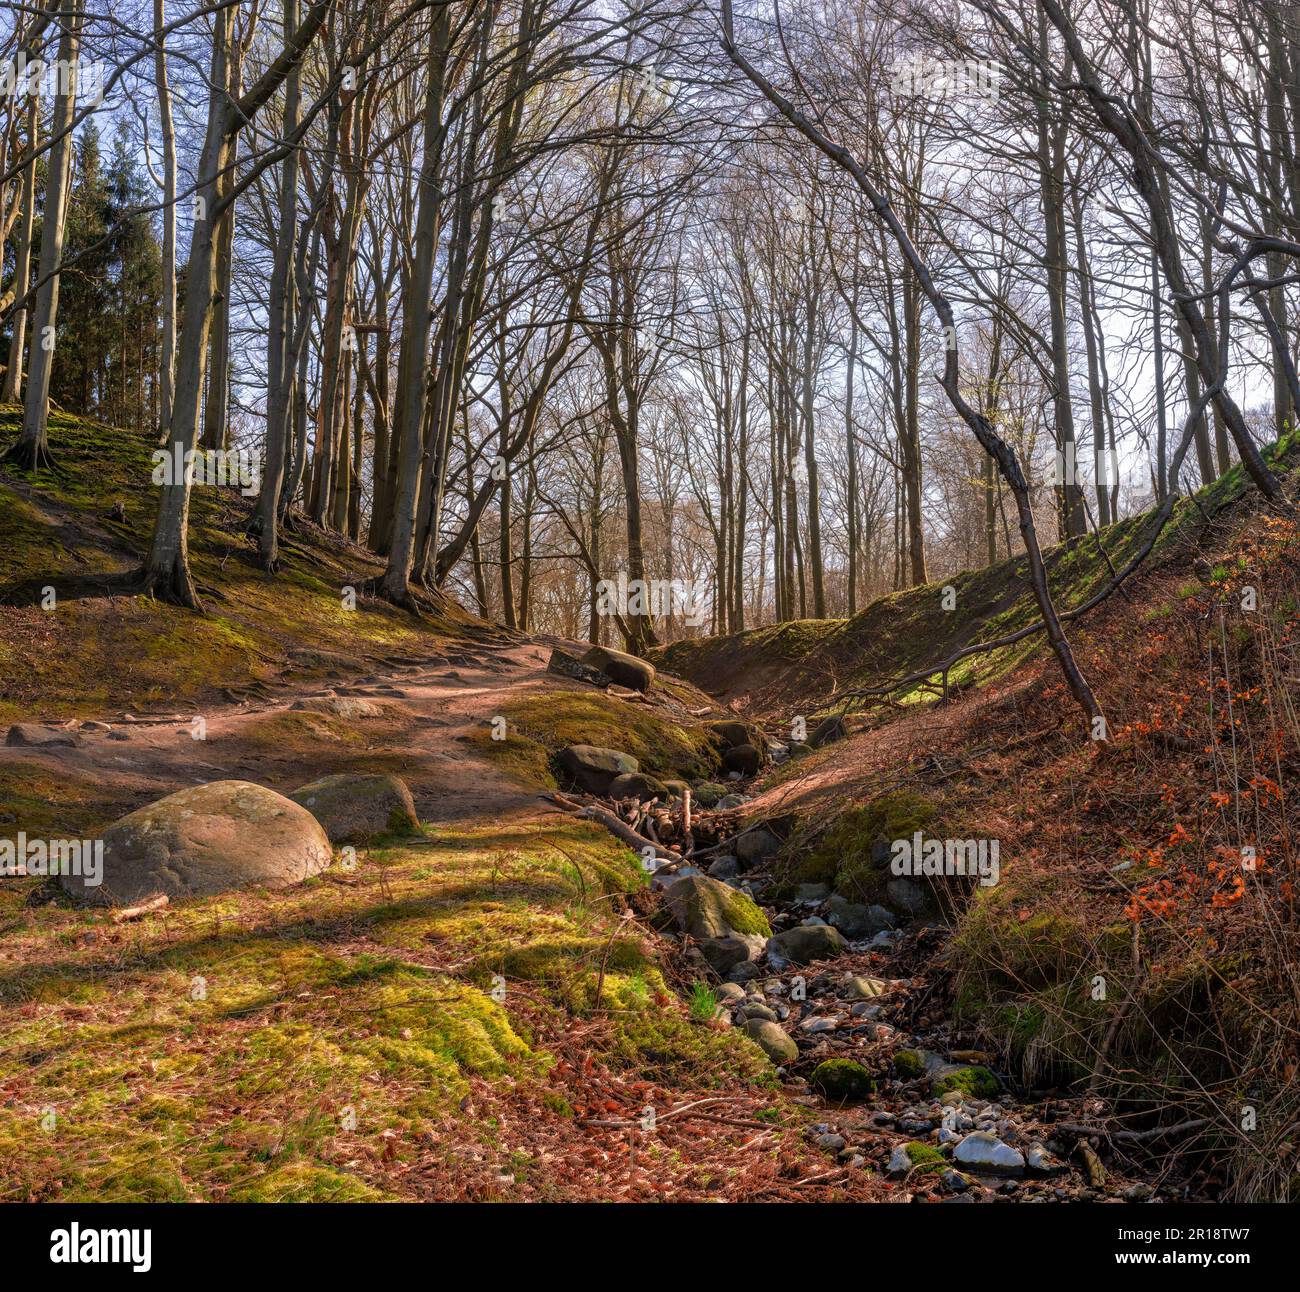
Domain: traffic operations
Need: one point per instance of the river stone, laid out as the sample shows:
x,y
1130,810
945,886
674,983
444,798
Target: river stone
x,y
827,731
772,1040
356,808
338,706
806,943
34,736
857,921
626,670
637,785
905,896
724,868
861,988
984,1151
705,908
744,759
723,954
594,769
756,845
207,839
707,794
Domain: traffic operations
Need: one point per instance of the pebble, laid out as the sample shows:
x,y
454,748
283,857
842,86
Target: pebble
x,y
816,1024
899,1163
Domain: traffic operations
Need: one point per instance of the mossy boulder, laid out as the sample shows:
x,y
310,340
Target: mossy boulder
x,y
909,1064
204,840
972,1080
637,785
707,793
843,1080
706,908
853,854
806,943
925,1157
626,670
593,768
358,808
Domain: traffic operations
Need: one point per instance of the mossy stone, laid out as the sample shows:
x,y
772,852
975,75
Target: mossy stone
x,y
909,1064
843,1080
972,1080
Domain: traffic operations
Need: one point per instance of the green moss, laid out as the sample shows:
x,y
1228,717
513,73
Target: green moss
x,y
853,854
305,1182
925,1157
842,1079
976,1081
540,725
745,916
909,1064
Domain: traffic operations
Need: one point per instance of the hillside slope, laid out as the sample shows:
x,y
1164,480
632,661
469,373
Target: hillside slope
x,y
1142,941
97,649
804,662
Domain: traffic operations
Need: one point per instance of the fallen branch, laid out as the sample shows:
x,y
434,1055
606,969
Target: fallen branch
x,y
138,912
616,826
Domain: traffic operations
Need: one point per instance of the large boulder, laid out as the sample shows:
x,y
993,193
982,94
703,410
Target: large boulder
x,y
705,908
805,943
565,665
637,785
203,840
357,808
593,768
626,670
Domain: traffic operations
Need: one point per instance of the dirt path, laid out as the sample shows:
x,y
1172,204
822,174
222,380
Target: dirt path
x,y
425,712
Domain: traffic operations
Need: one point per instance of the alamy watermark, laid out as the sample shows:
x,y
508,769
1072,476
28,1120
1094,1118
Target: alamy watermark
x,y
28,78
232,468
50,858
959,858
653,598
938,79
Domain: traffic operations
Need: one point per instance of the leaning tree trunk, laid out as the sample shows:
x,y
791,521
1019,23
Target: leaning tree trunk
x,y
983,431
